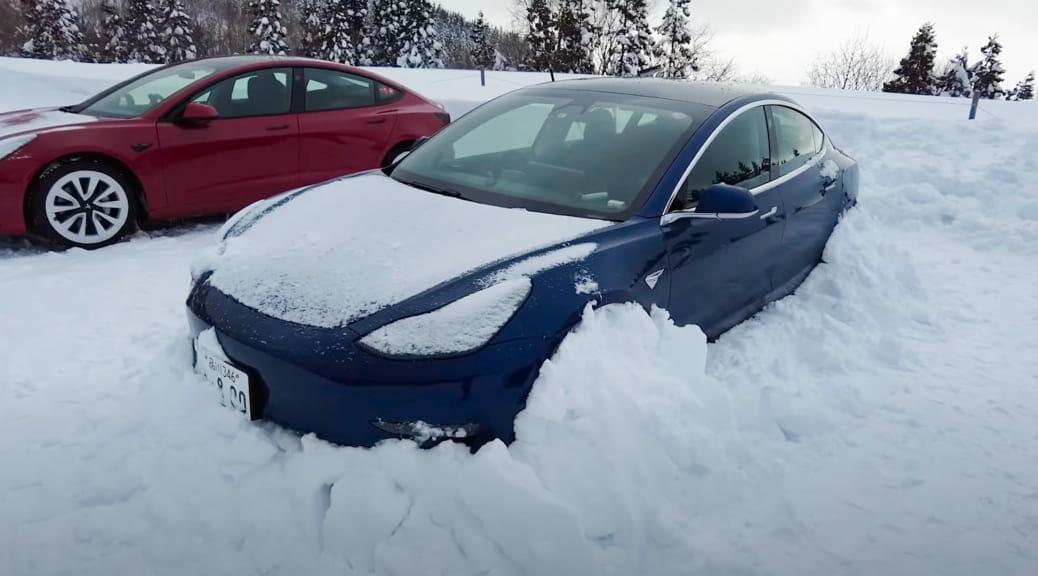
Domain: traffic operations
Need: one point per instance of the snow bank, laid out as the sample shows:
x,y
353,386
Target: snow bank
x,y
880,421
349,248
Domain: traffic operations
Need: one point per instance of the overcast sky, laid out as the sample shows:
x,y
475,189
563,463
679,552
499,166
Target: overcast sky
x,y
780,38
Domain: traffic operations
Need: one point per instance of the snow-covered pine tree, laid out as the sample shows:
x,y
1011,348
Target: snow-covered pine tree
x,y
267,31
987,74
388,31
540,35
113,34
956,79
176,32
675,53
482,52
572,53
345,39
422,48
915,75
312,23
1025,89
51,30
631,50
142,22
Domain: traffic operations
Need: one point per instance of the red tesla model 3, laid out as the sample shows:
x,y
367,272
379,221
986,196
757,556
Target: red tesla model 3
x,y
201,137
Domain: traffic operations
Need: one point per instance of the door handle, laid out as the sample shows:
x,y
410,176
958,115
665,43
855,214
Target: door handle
x,y
769,213
379,121
275,128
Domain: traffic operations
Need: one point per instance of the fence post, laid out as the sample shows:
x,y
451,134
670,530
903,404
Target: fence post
x,y
973,104
482,76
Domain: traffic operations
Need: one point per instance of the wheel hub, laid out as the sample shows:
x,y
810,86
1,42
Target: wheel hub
x,y
87,207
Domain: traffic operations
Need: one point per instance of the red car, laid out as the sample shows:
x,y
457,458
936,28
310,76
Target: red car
x,y
201,137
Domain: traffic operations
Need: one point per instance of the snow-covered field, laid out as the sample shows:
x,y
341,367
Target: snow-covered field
x,y
883,420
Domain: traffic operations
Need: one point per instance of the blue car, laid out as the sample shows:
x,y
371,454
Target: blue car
x,y
419,301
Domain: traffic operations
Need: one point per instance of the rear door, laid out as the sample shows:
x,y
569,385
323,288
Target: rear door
x,y
810,188
721,269
345,124
251,151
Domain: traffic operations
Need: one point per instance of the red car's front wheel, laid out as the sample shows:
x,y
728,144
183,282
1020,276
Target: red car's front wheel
x,y
84,204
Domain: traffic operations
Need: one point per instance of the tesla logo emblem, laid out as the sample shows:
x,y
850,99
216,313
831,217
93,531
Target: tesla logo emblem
x,y
653,278
141,147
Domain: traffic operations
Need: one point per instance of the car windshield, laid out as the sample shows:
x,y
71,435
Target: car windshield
x,y
581,153
144,93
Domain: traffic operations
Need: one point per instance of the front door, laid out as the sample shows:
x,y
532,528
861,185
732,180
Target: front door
x,y
251,151
721,269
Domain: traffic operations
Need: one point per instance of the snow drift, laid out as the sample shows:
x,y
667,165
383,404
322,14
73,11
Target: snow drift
x,y
879,421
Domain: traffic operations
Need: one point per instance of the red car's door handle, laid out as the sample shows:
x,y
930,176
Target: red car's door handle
x,y
379,121
281,127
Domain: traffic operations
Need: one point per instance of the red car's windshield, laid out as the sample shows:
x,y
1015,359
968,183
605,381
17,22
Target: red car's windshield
x,y
146,92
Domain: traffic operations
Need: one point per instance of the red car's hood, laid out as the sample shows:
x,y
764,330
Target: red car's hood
x,y
36,120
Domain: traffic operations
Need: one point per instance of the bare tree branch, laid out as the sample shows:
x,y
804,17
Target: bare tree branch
x,y
857,64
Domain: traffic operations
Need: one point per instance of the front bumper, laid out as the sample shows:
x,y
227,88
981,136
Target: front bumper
x,y
343,392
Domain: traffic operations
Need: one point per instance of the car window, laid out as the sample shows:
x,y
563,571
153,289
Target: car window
x,y
259,93
334,90
798,139
148,91
384,94
515,129
739,155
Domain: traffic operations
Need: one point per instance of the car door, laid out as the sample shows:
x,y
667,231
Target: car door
x,y
345,123
249,152
810,189
721,268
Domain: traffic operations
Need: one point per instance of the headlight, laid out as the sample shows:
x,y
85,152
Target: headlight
x,y
461,326
9,146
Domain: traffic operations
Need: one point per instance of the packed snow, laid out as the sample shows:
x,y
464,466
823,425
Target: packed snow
x,y
343,250
882,420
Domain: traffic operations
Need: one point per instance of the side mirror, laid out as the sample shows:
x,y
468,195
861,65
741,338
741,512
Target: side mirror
x,y
726,201
198,113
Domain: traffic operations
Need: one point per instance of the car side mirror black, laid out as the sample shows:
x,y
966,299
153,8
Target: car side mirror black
x,y
718,202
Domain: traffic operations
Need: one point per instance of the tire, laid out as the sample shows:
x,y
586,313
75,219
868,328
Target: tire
x,y
396,152
84,204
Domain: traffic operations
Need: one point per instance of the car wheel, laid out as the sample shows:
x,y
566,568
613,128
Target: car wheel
x,y
84,204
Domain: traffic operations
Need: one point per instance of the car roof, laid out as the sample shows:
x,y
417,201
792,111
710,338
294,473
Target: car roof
x,y
705,93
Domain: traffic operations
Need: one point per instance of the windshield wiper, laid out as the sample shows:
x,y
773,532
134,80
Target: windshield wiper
x,y
72,108
433,189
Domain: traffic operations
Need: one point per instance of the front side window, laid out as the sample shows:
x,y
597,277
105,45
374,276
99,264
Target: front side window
x,y
334,90
798,139
260,93
146,92
572,152
739,155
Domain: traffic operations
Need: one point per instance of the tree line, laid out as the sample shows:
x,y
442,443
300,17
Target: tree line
x,y
860,65
612,37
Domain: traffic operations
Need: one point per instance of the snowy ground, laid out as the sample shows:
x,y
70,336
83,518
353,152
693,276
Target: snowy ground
x,y
883,420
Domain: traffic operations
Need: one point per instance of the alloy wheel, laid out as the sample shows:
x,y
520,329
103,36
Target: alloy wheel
x,y
87,207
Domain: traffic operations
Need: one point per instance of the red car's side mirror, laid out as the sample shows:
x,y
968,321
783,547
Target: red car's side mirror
x,y
198,113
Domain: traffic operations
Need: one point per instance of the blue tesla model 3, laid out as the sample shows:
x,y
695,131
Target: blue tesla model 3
x,y
419,301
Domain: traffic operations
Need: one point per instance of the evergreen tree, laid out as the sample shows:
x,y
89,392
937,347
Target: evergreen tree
x,y
422,48
142,21
344,39
482,53
1025,89
113,33
388,31
631,49
572,49
175,32
539,35
312,18
268,34
956,79
987,74
51,30
915,75
675,53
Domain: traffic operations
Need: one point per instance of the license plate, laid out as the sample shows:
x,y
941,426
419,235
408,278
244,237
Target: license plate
x,y
231,384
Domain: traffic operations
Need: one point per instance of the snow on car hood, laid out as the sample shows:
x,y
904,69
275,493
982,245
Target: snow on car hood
x,y
346,249
35,120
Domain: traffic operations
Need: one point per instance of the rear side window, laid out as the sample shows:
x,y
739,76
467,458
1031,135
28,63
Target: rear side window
x,y
384,94
334,90
798,139
738,155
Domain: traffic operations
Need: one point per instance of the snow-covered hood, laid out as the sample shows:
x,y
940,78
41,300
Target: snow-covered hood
x,y
343,250
13,123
